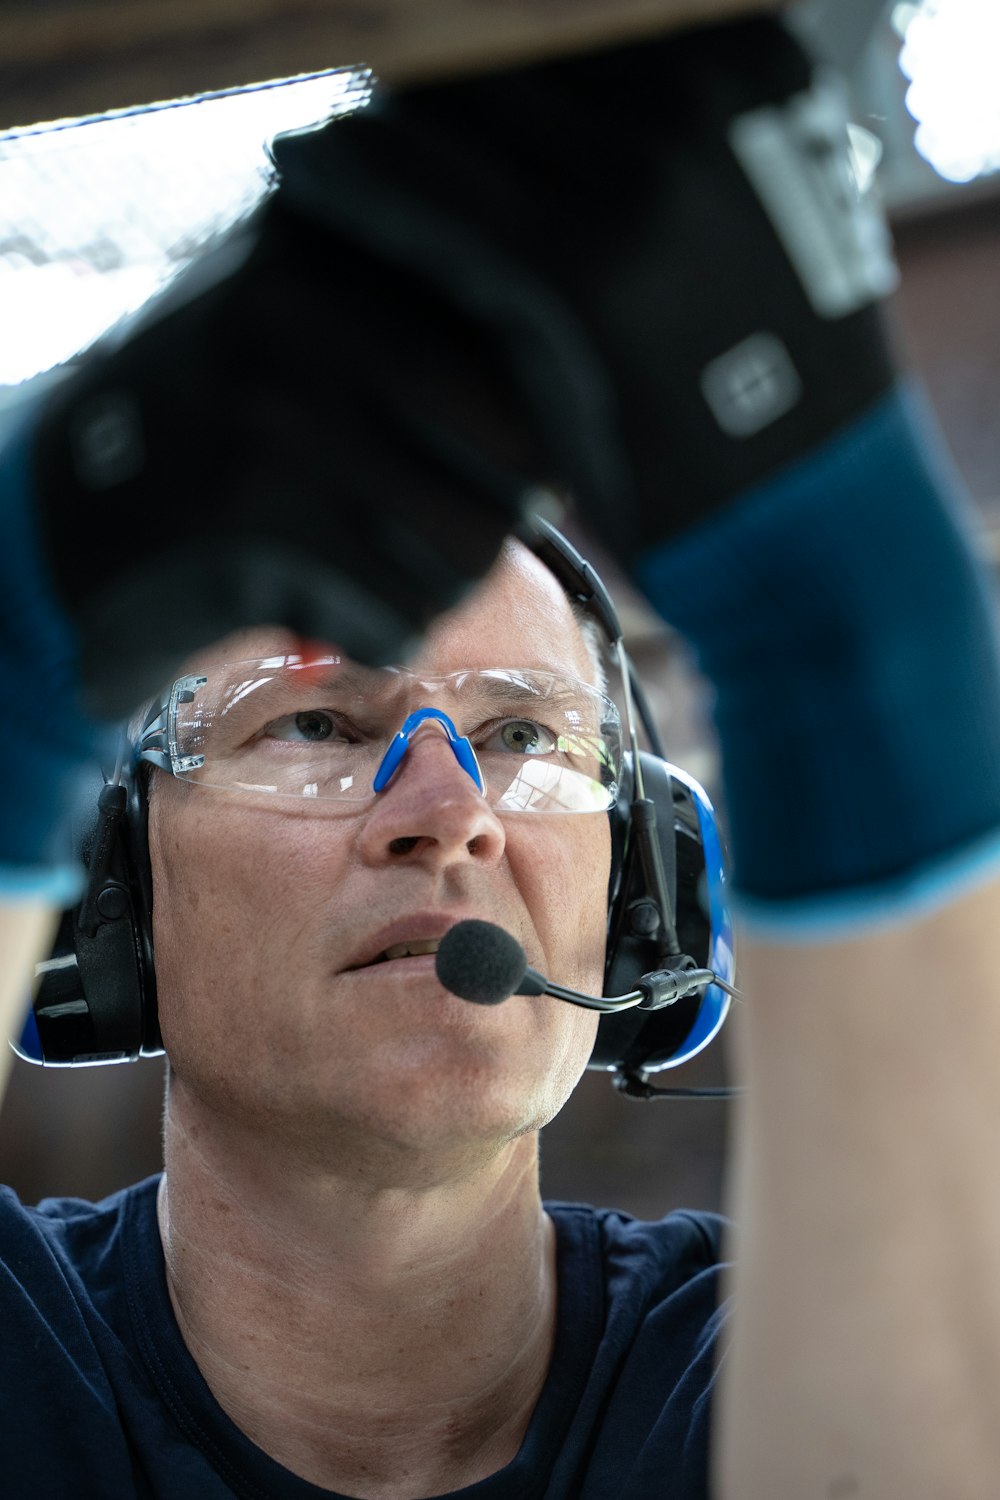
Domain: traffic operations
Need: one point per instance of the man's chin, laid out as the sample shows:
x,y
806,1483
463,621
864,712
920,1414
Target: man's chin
x,y
429,1118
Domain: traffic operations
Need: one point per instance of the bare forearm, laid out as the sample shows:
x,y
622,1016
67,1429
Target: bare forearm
x,y
866,1352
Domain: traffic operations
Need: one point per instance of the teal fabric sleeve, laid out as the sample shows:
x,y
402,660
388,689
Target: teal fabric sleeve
x,y
46,737
850,633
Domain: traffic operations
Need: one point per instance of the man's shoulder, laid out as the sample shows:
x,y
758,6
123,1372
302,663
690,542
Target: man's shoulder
x,y
65,1210
644,1274
67,1234
686,1240
78,1280
640,1316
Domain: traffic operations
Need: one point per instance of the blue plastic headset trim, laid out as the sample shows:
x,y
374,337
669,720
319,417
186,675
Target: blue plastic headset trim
x,y
715,1004
29,1043
464,753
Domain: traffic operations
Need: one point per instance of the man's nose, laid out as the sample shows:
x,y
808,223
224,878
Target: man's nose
x,y
432,810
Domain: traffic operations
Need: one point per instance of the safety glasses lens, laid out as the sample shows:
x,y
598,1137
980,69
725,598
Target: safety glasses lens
x,y
319,729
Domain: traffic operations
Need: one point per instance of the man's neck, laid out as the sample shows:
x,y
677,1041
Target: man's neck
x,y
380,1341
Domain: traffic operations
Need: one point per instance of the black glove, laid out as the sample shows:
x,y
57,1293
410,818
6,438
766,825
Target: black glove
x,y
663,243
294,435
560,272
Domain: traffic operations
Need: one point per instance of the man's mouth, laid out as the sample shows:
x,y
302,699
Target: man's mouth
x,y
408,950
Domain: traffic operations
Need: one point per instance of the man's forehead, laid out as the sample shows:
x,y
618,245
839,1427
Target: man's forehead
x,y
517,616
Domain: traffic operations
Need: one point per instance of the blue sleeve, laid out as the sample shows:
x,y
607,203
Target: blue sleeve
x,y
46,735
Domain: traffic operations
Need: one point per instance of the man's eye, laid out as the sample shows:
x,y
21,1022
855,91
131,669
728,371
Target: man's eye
x,y
309,727
520,737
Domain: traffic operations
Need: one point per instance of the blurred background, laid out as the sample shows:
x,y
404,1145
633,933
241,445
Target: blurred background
x,y
98,210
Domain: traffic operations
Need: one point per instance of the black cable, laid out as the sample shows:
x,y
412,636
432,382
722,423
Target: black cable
x,y
634,1086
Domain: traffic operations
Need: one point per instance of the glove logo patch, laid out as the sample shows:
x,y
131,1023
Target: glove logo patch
x,y
751,385
800,163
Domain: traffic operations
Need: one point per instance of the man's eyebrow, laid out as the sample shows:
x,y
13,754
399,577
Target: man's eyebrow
x,y
352,679
511,690
274,680
347,677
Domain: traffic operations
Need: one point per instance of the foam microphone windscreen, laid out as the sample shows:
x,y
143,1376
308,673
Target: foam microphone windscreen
x,y
480,962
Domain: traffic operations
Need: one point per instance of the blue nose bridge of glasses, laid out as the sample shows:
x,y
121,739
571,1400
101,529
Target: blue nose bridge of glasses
x,y
400,743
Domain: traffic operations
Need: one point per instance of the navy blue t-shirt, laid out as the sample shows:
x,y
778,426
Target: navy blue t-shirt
x,y
101,1400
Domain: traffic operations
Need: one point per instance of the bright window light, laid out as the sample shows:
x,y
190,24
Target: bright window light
x,y
950,53
96,215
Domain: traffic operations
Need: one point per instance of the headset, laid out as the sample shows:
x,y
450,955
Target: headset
x,y
95,996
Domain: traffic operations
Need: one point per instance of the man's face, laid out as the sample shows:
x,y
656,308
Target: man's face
x,y
262,916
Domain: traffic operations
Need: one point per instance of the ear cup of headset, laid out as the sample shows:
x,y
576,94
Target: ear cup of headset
x,y
690,847
95,996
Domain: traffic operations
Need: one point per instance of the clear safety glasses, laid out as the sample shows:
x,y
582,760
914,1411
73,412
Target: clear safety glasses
x,y
330,730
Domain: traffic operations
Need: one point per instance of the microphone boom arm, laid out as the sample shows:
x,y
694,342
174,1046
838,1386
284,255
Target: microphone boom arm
x,y
656,990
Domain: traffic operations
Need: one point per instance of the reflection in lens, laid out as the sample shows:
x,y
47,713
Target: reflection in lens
x,y
542,787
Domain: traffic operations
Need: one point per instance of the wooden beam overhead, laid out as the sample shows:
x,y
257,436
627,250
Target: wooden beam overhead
x,y
64,58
